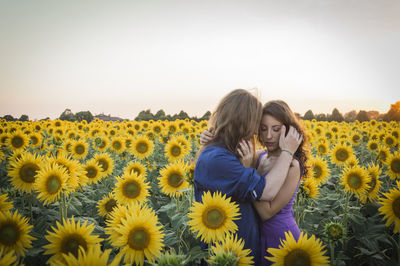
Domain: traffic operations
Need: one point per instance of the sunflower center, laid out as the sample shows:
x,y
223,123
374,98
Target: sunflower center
x,y
374,146
139,238
297,257
354,181
80,149
317,171
53,184
117,145
175,180
389,141
34,140
395,166
28,172
109,206
9,234
356,138
104,164
335,231
382,155
176,151
71,244
131,189
91,172
157,129
214,217
321,149
142,147
342,155
17,142
136,170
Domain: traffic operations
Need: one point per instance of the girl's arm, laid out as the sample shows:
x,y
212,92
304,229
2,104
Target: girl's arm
x,y
267,209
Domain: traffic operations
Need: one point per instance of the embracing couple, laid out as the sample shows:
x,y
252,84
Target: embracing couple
x,y
263,183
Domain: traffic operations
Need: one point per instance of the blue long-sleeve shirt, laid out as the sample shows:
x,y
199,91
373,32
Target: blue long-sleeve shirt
x,y
218,169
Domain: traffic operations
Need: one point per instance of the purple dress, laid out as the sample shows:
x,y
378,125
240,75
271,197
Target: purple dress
x,y
273,229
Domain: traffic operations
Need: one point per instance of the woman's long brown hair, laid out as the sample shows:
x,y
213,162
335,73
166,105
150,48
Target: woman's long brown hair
x,y
237,116
281,111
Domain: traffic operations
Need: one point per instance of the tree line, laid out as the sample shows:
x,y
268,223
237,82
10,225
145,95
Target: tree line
x,y
392,115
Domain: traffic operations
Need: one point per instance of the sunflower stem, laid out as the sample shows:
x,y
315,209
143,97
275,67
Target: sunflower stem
x,y
30,211
332,251
346,207
398,251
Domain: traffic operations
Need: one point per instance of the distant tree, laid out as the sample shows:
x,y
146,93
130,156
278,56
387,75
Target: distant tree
x,y
394,112
145,115
309,115
350,116
320,117
160,115
206,116
84,115
67,115
9,118
182,115
373,114
24,118
336,116
362,116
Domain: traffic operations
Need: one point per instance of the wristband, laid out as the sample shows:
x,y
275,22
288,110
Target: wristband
x,y
291,154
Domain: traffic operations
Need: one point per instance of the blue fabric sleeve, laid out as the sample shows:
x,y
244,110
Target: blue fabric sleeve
x,y
220,170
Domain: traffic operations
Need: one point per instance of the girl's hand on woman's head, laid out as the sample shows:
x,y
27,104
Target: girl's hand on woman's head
x,y
245,151
291,141
206,136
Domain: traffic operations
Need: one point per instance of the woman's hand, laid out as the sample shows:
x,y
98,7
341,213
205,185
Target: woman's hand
x,y
290,142
245,151
206,136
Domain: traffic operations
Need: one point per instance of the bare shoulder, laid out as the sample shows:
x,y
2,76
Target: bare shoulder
x,y
295,163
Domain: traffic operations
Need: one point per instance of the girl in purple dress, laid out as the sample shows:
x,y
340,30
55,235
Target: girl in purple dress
x,y
276,215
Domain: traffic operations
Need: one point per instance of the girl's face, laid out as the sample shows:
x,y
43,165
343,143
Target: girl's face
x,y
270,132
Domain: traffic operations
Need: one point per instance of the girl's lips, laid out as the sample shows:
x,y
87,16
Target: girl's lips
x,y
270,143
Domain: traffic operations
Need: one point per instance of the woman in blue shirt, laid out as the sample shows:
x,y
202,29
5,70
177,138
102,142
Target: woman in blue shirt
x,y
218,168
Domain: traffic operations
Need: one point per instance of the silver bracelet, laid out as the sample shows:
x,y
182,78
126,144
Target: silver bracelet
x,y
291,154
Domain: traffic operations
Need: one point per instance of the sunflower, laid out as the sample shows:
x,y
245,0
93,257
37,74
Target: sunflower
x,y
4,204
322,148
172,179
117,144
372,145
68,237
131,188
174,150
389,141
135,167
374,185
106,163
310,187
14,232
383,153
79,149
101,143
106,205
51,182
355,139
115,217
157,128
340,154
142,147
393,163
214,217
356,180
334,231
190,173
17,141
140,236
305,251
23,172
352,162
8,257
35,140
230,243
93,256
391,207
93,171
75,172
320,171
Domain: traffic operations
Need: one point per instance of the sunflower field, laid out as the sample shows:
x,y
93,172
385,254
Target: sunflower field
x,y
116,193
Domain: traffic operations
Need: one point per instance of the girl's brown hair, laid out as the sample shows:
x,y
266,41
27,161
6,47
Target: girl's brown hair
x,y
282,112
237,116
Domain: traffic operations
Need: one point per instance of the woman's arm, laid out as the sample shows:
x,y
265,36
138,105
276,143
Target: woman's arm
x,y
277,175
267,209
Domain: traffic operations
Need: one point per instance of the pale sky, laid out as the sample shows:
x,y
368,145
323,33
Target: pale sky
x,y
121,57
